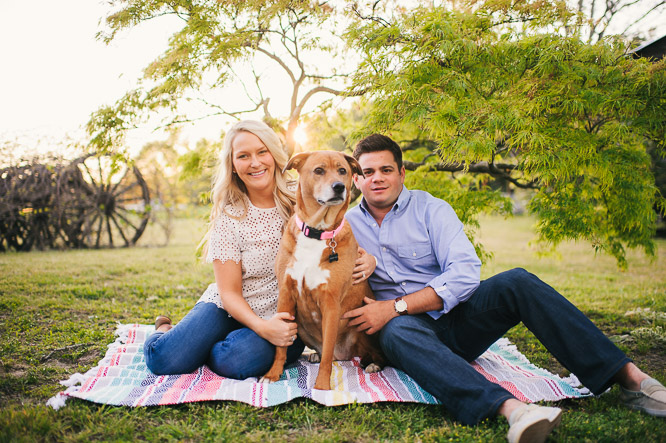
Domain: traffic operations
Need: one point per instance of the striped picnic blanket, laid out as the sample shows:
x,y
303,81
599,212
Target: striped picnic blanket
x,y
121,378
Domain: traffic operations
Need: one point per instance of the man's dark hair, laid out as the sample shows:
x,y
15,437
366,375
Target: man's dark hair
x,y
376,143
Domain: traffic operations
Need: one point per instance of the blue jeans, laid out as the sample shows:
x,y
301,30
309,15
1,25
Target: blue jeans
x,y
436,352
208,335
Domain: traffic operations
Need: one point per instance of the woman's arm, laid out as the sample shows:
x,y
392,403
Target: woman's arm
x,y
278,330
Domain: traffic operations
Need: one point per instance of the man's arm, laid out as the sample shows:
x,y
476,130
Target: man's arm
x,y
372,317
460,267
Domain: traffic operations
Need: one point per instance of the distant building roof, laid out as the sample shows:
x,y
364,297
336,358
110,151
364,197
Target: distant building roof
x,y
654,49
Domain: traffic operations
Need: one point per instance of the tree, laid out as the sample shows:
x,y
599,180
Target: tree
x,y
542,110
625,17
489,88
197,169
227,43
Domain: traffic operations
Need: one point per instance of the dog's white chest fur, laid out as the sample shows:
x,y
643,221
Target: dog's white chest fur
x,y
305,269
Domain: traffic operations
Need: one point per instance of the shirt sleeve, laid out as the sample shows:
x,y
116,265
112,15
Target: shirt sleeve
x,y
461,268
223,243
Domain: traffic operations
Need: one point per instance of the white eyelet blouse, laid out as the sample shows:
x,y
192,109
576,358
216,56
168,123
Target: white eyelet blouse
x,y
252,241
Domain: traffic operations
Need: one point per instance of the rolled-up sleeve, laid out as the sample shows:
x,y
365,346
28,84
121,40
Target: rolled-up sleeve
x,y
460,266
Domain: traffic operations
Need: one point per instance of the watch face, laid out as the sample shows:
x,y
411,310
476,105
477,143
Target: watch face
x,y
401,306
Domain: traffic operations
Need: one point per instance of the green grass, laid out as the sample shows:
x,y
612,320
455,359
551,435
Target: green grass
x,y
58,311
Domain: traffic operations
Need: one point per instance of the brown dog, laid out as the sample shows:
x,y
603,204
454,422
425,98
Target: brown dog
x,y
314,267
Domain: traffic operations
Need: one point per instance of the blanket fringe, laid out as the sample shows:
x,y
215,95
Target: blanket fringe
x,y
505,344
76,380
73,384
57,401
122,331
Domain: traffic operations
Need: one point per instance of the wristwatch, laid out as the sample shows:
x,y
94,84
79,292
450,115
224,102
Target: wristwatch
x,y
400,306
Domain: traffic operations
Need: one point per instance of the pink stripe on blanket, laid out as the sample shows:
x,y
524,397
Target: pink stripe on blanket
x,y
513,389
387,393
362,381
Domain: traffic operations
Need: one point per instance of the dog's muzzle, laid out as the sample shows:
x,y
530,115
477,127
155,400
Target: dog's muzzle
x,y
339,194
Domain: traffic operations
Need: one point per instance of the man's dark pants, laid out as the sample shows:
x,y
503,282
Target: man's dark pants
x,y
436,352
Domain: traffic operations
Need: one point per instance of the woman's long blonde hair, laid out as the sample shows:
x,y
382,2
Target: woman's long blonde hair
x,y
229,189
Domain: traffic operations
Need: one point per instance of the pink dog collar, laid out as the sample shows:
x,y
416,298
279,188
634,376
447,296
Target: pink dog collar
x,y
315,233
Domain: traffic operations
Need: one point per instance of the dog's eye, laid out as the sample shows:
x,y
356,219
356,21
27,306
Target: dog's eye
x,y
342,171
319,171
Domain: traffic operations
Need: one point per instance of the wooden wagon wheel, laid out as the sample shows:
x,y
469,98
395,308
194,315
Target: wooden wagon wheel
x,y
104,203
26,200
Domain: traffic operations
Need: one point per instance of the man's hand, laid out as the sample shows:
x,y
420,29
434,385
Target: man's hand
x,y
372,317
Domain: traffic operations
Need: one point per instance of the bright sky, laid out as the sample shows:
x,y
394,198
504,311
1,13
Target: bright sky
x,y
55,73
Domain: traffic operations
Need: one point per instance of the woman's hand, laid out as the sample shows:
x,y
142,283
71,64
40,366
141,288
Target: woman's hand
x,y
280,329
365,265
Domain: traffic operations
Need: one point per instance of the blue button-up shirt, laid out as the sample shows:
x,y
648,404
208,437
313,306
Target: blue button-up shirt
x,y
421,242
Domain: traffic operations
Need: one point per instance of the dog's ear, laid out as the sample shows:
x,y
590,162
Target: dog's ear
x,y
296,161
355,165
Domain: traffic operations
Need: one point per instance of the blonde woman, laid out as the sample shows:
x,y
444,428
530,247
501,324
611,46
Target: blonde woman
x,y
234,327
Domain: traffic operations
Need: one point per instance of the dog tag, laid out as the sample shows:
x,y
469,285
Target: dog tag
x,y
333,257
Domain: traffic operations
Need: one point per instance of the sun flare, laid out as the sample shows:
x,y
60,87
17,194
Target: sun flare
x,y
301,136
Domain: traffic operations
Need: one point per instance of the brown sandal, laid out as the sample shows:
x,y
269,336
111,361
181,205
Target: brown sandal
x,y
162,320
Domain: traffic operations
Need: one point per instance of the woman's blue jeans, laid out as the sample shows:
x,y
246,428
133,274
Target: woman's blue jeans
x,y
436,352
208,335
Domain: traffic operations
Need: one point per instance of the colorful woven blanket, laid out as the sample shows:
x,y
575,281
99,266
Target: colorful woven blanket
x,y
122,379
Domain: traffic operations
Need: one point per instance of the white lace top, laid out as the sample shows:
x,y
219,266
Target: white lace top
x,y
252,241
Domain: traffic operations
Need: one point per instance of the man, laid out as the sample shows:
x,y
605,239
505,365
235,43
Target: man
x,y
434,316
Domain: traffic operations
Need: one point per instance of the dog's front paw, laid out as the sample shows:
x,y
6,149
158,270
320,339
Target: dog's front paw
x,y
372,368
314,358
323,385
269,377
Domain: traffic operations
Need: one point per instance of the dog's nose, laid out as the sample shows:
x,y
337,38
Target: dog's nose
x,y
338,187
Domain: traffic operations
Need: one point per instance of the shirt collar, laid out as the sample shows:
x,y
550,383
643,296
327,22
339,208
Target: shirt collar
x,y
403,199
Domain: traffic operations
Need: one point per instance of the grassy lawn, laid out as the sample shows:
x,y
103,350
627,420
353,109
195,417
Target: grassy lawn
x,y
58,311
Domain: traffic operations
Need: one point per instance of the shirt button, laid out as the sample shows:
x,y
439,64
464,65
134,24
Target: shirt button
x,y
403,283
384,249
374,225
414,254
